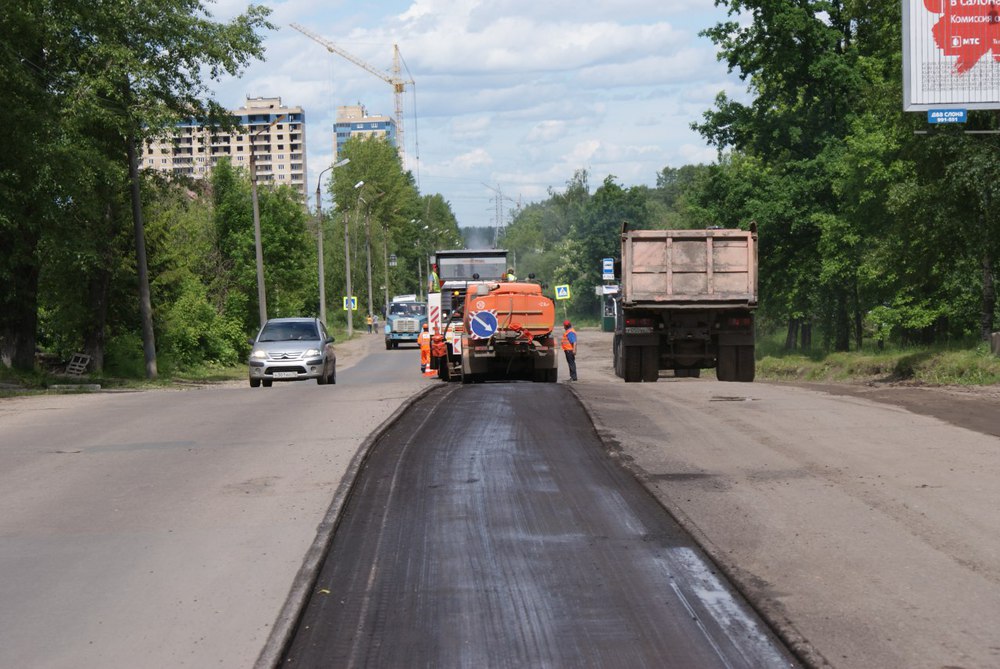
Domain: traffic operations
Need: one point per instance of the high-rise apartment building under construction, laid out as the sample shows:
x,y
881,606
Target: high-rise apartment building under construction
x,y
279,147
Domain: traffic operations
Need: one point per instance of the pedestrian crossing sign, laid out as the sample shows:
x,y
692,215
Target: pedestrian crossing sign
x,y
353,302
562,292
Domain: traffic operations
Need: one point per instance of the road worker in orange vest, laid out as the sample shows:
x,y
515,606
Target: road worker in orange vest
x,y
569,348
424,339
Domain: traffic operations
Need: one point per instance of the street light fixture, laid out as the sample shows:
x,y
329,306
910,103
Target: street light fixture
x,y
258,247
319,238
385,263
368,249
347,261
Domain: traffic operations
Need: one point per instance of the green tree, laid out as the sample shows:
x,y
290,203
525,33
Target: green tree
x,y
118,71
799,61
378,201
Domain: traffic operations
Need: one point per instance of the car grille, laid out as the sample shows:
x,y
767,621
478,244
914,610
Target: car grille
x,y
406,325
281,356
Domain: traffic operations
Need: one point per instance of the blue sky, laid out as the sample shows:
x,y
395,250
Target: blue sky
x,y
510,95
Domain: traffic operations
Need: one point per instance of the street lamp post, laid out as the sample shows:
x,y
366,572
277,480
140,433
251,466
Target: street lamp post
x,y
319,238
368,247
347,260
368,254
392,265
420,262
385,263
258,247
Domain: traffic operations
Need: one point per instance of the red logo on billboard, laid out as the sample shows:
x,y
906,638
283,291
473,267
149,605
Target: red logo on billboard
x,y
968,29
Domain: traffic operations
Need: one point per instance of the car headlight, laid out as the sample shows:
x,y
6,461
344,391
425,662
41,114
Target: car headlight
x,y
312,353
259,355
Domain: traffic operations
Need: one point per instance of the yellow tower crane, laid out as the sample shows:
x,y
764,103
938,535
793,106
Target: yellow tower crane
x,y
393,78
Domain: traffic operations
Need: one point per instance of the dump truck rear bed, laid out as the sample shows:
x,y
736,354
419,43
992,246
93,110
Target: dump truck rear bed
x,y
687,301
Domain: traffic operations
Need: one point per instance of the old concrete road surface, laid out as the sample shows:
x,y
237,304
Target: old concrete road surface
x,y
163,529
489,528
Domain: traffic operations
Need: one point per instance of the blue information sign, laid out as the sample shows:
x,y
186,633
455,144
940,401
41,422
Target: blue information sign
x,y
946,116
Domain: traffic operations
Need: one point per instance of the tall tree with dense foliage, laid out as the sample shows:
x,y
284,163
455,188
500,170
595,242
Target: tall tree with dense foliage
x,y
800,64
119,70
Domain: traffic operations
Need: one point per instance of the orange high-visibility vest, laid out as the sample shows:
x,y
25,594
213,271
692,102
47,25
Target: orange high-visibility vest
x,y
567,345
424,339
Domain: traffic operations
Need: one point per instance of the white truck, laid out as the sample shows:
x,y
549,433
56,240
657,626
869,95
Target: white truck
x,y
686,304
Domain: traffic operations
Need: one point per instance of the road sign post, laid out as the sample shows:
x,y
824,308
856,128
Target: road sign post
x,y
608,269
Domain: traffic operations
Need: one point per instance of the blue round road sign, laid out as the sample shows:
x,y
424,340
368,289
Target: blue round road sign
x,y
483,324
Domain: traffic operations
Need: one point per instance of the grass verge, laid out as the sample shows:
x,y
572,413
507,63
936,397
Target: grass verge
x,y
932,366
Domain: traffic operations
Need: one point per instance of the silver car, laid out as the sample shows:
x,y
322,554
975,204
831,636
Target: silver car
x,y
292,349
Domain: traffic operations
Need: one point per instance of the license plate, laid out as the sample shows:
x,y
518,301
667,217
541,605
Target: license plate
x,y
284,375
639,330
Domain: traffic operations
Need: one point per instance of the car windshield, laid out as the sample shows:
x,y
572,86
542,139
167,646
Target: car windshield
x,y
289,331
463,269
407,308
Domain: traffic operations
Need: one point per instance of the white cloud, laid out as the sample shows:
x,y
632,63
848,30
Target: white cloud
x,y
546,131
469,161
508,92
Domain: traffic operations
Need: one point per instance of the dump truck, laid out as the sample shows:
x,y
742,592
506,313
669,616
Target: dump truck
x,y
508,333
686,303
454,270
404,320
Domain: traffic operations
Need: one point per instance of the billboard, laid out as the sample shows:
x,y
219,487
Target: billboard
x,y
951,54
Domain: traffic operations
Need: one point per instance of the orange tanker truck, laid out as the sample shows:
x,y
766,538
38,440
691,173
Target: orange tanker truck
x,y
508,333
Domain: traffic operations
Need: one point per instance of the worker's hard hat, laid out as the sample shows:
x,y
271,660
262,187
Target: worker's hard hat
x,y
566,324
425,326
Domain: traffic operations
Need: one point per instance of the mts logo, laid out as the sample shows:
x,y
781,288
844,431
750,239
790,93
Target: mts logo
x,y
964,41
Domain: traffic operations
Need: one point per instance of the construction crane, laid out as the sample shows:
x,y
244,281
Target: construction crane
x,y
393,78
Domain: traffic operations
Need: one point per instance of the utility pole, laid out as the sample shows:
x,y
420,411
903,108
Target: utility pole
x,y
368,255
347,260
258,247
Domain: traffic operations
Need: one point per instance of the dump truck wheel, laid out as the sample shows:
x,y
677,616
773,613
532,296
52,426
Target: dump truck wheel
x,y
650,363
616,355
726,369
746,365
631,364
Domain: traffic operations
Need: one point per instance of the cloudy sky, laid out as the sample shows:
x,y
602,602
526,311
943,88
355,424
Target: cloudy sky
x,y
510,95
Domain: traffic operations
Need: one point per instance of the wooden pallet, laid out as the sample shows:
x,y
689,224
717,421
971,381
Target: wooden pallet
x,y
78,364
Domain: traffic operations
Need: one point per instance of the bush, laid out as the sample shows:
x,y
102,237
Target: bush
x,y
194,333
